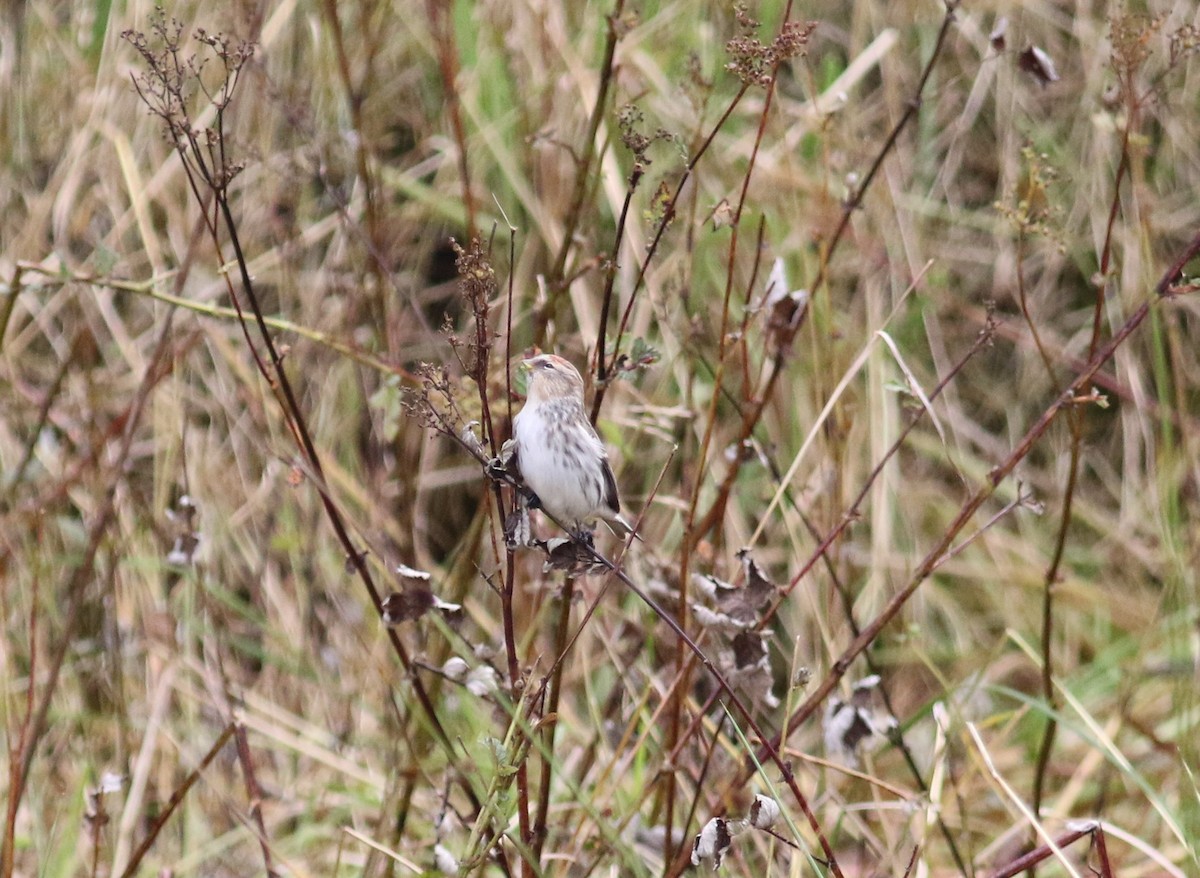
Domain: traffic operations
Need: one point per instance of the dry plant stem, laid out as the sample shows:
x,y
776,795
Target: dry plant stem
x,y
515,680
683,663
254,794
208,172
716,509
1044,852
579,194
997,475
680,859
561,652
821,553
18,474
1075,424
667,217
610,276
176,799
731,261
910,112
479,298
770,751
957,550
758,404
34,725
1047,745
747,313
552,682
295,419
17,748
754,411
441,23
10,302
219,689
147,288
354,98
96,823
1023,301
549,717
528,863
884,689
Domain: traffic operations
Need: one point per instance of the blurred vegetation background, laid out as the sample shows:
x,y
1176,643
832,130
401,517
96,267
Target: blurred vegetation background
x,y
169,572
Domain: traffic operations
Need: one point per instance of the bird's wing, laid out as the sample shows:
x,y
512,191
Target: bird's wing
x,y
513,464
611,500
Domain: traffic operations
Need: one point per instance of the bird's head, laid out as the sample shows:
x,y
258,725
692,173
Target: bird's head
x,y
551,378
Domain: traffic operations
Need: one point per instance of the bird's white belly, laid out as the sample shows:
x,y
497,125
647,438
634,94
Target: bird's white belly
x,y
560,470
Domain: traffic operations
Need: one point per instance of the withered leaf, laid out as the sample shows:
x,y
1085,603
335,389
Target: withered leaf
x,y
997,36
712,843
749,648
1039,65
759,588
850,725
563,553
404,606
415,601
764,811
516,527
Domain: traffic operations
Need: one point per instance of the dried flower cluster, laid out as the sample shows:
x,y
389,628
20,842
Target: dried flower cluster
x,y
754,62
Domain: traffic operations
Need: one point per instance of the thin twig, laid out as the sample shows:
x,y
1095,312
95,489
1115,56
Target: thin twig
x,y
176,800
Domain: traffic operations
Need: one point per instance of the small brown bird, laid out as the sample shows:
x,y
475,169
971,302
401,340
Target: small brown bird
x,y
558,453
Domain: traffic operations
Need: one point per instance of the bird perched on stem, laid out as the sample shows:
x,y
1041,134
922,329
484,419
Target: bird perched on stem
x,y
559,455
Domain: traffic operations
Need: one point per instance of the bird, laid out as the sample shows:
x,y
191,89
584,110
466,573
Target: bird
x,y
558,453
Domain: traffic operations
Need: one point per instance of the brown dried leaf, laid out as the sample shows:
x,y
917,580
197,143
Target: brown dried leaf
x,y
712,843
759,589
997,36
563,553
1039,65
851,725
416,599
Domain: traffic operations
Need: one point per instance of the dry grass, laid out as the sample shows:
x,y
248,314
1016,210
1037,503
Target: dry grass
x,y
126,382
